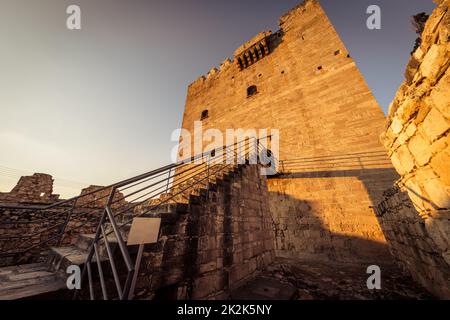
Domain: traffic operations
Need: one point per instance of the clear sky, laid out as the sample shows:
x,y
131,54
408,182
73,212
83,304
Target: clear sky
x,y
98,105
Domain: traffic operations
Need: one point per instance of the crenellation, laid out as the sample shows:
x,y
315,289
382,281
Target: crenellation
x,y
297,10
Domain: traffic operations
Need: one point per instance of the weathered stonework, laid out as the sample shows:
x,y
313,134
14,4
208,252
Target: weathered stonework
x,y
224,239
417,139
306,85
27,216
37,188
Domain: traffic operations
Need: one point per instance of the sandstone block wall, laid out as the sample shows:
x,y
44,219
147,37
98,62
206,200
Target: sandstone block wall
x,y
329,218
223,240
417,139
308,87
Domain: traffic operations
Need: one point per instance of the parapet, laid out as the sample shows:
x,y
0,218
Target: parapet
x,y
297,10
253,50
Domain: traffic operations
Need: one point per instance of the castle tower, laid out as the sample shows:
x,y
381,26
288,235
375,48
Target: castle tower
x,y
302,81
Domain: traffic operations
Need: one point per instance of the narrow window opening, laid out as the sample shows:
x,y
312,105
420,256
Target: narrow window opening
x,y
319,68
261,48
240,63
337,52
251,91
246,60
204,115
256,53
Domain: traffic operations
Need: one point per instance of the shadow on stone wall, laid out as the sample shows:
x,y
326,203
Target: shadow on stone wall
x,y
342,227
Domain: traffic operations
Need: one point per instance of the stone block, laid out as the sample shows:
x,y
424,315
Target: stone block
x,y
438,231
396,126
433,62
411,68
425,174
438,193
440,95
435,125
423,112
441,165
410,130
420,148
440,145
407,109
405,159
397,164
415,194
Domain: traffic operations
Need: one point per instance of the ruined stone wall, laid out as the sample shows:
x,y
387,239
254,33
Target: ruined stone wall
x,y
223,239
309,88
30,214
417,139
37,188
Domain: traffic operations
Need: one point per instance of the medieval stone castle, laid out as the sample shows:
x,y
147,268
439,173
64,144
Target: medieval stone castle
x,y
341,194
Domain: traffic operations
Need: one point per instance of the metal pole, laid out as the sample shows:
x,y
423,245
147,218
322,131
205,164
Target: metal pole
x,y
168,180
136,271
66,222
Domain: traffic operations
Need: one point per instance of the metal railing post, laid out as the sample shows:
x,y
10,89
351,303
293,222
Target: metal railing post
x,y
66,222
168,180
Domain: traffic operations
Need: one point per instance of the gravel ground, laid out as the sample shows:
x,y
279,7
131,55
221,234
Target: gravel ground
x,y
319,280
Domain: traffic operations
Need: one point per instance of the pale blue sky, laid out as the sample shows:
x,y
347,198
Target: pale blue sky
x,y
99,105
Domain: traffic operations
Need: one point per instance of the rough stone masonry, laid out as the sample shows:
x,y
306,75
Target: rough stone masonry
x,y
302,80
415,215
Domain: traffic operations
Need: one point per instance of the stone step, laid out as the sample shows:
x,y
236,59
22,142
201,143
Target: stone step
x,y
170,208
84,242
27,281
62,257
124,230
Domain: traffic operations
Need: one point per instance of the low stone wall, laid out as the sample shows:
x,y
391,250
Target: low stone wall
x,y
224,239
411,242
31,216
418,143
23,226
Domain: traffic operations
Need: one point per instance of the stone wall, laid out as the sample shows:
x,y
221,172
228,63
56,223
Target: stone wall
x,y
331,218
417,140
223,239
37,188
308,87
412,244
30,214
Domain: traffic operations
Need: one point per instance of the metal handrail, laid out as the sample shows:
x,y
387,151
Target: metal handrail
x,y
71,208
142,192
124,291
350,160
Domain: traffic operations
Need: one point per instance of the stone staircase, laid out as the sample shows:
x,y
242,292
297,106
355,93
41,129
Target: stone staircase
x,y
40,279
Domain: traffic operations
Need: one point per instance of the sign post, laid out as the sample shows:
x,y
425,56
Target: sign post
x,y
143,231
